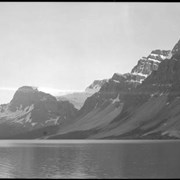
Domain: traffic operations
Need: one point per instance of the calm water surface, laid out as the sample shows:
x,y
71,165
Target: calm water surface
x,y
89,159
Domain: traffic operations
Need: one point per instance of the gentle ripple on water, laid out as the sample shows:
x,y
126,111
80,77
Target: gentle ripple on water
x,y
90,159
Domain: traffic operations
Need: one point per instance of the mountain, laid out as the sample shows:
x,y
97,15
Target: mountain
x,y
152,109
107,105
78,98
31,109
141,104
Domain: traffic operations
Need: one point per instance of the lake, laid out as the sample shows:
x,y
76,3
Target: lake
x,y
89,159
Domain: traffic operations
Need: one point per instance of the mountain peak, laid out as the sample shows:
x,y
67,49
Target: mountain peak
x,y
117,76
27,88
150,63
27,95
95,86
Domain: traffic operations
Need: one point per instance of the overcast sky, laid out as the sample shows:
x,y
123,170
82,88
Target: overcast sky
x,y
67,46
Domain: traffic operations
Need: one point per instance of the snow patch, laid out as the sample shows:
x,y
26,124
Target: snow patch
x,y
33,124
28,118
116,81
154,60
96,105
141,80
169,56
140,74
152,54
163,57
55,121
144,58
116,99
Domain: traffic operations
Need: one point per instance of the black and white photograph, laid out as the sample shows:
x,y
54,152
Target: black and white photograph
x,y
89,90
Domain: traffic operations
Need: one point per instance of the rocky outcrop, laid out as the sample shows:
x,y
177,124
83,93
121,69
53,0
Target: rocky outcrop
x,y
176,50
95,86
150,63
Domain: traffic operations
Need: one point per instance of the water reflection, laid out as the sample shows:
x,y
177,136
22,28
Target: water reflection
x,y
152,160
13,162
119,160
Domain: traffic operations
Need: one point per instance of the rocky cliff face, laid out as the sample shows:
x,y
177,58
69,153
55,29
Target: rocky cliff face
x,y
176,50
150,63
152,109
95,86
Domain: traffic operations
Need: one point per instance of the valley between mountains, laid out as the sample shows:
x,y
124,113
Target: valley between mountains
x,y
141,104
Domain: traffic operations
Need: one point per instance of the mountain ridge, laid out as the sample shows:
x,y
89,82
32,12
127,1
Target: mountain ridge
x,y
141,104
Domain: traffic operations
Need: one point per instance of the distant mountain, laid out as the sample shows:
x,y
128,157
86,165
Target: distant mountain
x,y
78,98
32,109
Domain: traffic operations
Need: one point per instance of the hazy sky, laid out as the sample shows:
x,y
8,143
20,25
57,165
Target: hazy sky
x,y
68,45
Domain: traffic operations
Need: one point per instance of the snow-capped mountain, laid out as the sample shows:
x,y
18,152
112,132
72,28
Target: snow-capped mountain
x,y
107,109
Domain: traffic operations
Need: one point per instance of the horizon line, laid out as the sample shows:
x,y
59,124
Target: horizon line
x,y
45,89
